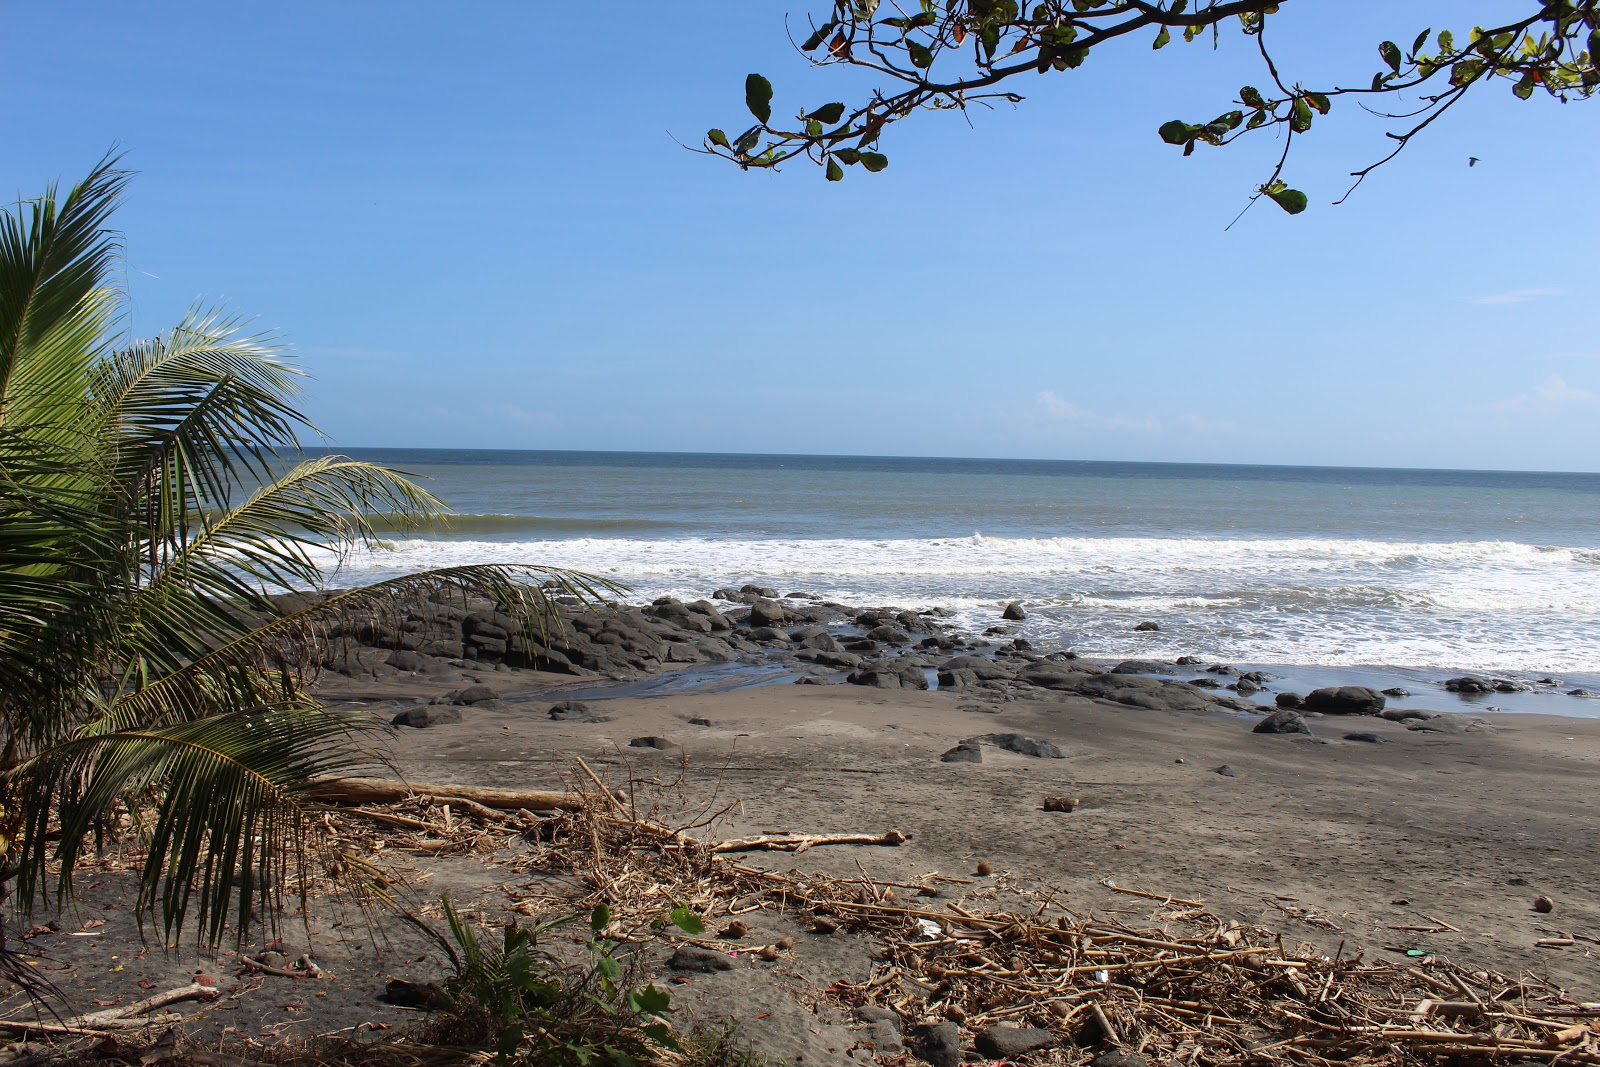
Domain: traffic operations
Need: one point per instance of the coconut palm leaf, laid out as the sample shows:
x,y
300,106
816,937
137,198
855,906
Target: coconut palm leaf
x,y
259,662
231,821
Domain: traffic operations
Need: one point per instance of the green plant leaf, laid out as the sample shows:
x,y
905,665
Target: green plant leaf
x,y
1251,96
717,137
835,172
758,97
1163,39
848,156
1176,132
1291,200
829,113
650,1000
1300,115
600,918
921,56
1391,55
687,921
874,161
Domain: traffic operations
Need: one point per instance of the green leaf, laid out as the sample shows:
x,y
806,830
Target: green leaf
x,y
1251,97
717,137
1176,132
599,918
1422,39
1256,119
848,156
1319,101
1524,88
1466,72
874,161
1163,39
650,1000
817,37
1300,116
1291,200
687,921
835,172
1447,41
1391,55
813,128
747,141
758,97
921,57
829,113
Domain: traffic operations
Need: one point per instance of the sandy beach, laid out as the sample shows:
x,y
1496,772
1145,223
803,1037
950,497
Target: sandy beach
x,y
1431,837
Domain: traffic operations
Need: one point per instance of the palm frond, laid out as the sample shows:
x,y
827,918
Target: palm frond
x,y
232,823
273,652
54,255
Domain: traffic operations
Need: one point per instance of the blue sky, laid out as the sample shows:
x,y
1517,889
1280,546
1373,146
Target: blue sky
x,y
477,231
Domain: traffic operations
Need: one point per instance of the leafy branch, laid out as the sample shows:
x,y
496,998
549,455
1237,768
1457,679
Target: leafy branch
x,y
962,53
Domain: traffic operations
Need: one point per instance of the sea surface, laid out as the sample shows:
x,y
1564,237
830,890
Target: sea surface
x,y
1408,574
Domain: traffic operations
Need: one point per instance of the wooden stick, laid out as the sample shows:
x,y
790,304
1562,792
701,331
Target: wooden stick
x,y
805,841
124,1017
1154,896
384,791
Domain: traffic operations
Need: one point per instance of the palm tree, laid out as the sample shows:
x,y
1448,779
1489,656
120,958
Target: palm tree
x,y
152,493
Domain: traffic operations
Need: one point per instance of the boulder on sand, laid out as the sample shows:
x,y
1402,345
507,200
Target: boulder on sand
x,y
1282,721
1345,700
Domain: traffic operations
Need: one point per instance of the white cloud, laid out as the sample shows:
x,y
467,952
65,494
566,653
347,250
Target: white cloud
x,y
1552,394
1518,296
1060,410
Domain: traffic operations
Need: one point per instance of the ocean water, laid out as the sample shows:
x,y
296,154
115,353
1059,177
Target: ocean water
x,y
1421,572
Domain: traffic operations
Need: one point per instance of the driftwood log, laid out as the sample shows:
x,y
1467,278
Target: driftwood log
x,y
384,791
127,1017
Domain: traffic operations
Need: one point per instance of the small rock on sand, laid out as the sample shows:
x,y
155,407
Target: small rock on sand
x,y
940,1045
691,958
661,743
1022,746
427,715
1371,739
1003,1042
474,694
1282,722
965,752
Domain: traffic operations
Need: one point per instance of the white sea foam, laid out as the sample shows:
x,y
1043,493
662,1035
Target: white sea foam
x,y
1491,605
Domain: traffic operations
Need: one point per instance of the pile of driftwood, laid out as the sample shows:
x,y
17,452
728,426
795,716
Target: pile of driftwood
x,y
1185,987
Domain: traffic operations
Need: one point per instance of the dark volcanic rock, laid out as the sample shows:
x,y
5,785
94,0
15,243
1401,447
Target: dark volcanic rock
x,y
660,743
474,694
965,752
1345,700
1148,627
1371,739
1117,1058
1288,700
1022,746
1004,1042
426,715
1014,612
704,960
890,674
766,612
1282,722
575,711
1144,666
940,1045
1397,692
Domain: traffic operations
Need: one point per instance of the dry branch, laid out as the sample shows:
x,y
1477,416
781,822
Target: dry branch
x,y
383,791
801,842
